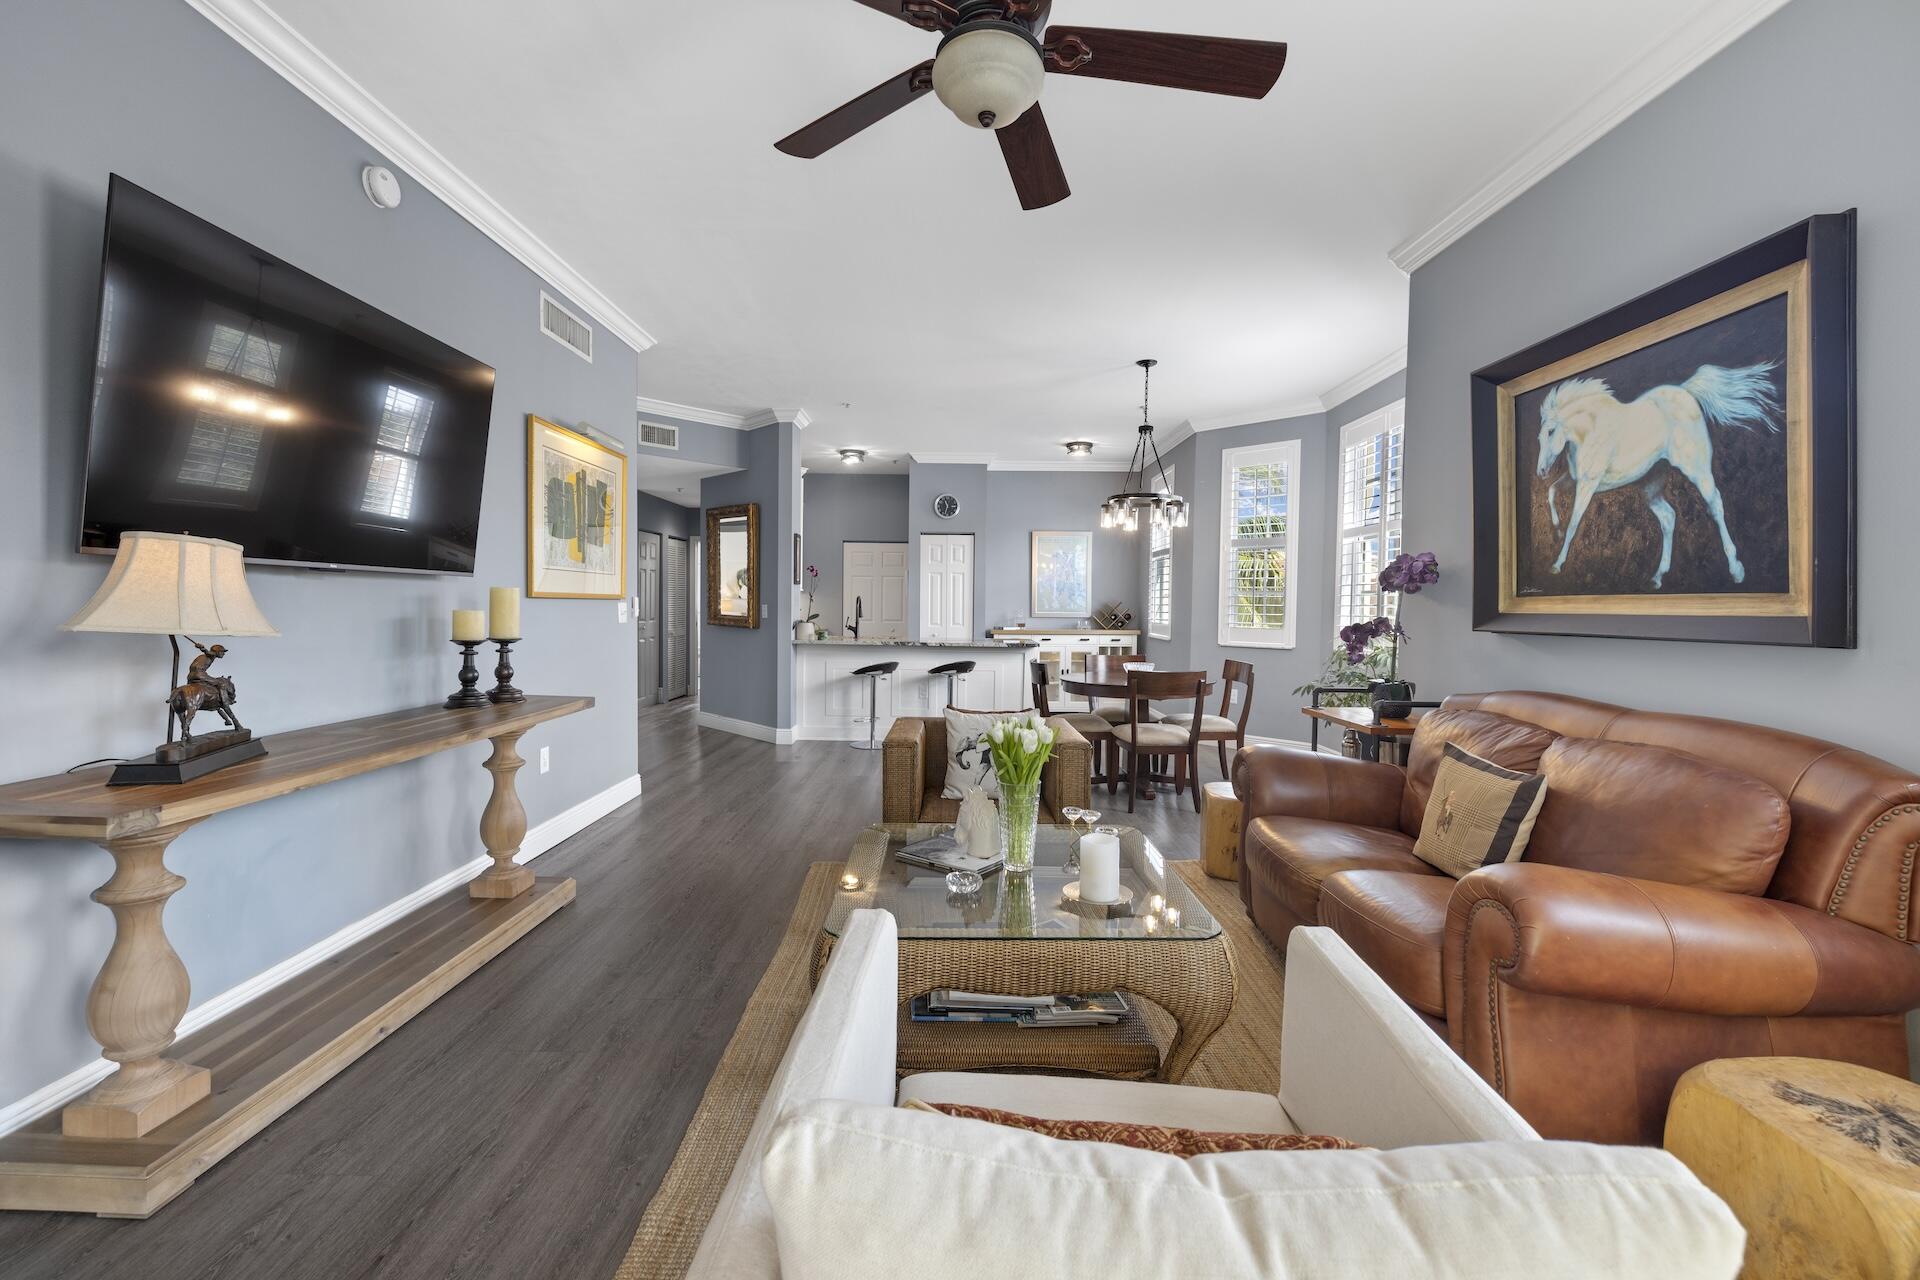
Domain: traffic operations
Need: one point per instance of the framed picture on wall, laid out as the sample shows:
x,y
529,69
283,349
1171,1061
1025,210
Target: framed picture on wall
x,y
576,515
1682,467
1062,574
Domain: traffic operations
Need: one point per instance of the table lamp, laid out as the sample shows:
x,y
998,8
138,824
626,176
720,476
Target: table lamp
x,y
174,584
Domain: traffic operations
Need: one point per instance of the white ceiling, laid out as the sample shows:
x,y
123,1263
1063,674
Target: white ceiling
x,y
895,289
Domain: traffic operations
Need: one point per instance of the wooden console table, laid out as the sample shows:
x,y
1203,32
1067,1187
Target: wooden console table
x,y
161,1119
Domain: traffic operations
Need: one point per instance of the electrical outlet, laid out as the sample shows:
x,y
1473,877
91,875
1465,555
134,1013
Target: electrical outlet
x,y
623,613
545,759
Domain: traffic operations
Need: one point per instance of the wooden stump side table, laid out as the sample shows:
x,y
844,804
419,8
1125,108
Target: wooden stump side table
x,y
168,1111
1819,1160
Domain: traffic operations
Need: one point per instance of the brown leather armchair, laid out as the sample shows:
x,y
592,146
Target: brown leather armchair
x,y
1670,909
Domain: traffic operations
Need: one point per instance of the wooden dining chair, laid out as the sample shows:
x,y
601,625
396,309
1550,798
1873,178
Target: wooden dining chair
x,y
1110,668
1096,729
1225,727
1142,739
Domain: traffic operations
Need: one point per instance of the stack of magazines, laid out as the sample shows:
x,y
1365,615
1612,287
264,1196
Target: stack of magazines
x,y
943,853
1101,1009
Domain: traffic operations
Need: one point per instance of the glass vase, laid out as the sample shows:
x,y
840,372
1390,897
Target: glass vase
x,y
1019,819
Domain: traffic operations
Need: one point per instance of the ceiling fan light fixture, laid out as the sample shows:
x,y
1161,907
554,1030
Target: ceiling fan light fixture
x,y
989,73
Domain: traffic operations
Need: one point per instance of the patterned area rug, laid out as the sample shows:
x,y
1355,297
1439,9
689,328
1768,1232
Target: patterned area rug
x,y
1244,1054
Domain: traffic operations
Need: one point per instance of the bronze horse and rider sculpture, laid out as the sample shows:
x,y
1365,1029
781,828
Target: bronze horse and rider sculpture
x,y
202,692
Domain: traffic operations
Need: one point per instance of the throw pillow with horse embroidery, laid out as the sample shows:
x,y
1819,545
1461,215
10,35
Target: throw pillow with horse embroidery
x,y
969,762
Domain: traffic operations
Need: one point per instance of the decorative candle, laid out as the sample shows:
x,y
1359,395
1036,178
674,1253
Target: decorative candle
x,y
1100,867
469,626
849,882
1172,916
503,606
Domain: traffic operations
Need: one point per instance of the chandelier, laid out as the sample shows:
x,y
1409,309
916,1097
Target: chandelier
x,y
1165,508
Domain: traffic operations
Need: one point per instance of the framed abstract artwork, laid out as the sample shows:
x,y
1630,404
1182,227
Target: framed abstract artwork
x,y
1062,574
576,515
1682,467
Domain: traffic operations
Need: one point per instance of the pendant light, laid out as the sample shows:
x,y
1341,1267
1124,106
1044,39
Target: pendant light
x,y
1165,508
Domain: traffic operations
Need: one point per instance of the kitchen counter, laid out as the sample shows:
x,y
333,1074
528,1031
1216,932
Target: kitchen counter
x,y
912,644
832,702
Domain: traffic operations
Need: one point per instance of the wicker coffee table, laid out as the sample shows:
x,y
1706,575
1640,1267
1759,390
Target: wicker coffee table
x,y
1014,938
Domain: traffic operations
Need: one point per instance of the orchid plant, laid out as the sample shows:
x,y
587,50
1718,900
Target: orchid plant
x,y
813,577
1406,575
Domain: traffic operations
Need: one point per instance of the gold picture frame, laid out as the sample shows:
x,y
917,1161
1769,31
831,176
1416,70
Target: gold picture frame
x,y
576,515
738,605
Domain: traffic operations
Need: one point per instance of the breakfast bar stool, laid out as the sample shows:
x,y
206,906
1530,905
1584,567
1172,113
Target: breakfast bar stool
x,y
873,674
951,670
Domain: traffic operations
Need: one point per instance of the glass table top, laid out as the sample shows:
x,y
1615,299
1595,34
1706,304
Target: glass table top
x,y
1016,907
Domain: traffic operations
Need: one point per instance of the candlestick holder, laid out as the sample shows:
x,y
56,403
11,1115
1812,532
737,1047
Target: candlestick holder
x,y
503,690
469,695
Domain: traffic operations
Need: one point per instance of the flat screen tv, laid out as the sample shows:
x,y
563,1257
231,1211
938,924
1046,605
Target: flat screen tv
x,y
235,396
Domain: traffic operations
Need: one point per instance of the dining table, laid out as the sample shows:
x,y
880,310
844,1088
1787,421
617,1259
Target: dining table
x,y
1105,676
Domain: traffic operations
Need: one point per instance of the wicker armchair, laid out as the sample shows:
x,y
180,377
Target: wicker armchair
x,y
914,771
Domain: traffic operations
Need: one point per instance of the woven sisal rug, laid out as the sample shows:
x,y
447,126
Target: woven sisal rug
x,y
1245,1054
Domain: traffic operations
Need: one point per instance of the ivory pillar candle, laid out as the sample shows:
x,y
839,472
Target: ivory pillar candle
x,y
503,607
1100,867
469,626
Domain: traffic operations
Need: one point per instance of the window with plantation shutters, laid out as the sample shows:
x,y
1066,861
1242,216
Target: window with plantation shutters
x,y
1160,576
1259,510
1371,468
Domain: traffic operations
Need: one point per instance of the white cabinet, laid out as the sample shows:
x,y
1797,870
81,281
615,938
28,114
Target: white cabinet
x,y
1066,652
833,701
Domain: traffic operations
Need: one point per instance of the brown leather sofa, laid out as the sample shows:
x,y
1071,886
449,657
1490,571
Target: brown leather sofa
x,y
1694,889
913,772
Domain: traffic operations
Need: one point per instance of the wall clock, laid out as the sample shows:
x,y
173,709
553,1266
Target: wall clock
x,y
946,506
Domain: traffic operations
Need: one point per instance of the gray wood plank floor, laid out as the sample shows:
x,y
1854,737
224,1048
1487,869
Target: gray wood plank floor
x,y
519,1126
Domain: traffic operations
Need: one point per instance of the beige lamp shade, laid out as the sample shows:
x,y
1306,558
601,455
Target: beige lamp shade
x,y
174,584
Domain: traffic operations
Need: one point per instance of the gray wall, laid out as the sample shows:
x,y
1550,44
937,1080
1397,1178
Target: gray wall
x,y
1803,115
747,673
154,92
1022,501
969,484
842,508
668,519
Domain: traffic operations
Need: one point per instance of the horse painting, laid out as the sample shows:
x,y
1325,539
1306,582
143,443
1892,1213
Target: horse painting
x,y
1610,445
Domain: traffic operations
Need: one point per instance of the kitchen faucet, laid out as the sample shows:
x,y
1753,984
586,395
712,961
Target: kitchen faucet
x,y
853,627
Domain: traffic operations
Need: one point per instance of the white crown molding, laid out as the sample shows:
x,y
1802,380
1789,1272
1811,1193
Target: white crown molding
x,y
263,33
1658,70
800,419
1385,367
1174,437
1278,413
539,839
952,459
648,407
1104,465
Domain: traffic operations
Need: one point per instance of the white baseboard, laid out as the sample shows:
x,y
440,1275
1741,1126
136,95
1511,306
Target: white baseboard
x,y
744,728
541,838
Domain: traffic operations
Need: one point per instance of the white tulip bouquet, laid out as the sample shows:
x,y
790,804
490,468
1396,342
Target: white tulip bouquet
x,y
1021,746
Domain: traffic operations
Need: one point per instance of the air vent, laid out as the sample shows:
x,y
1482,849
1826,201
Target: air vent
x,y
652,433
566,328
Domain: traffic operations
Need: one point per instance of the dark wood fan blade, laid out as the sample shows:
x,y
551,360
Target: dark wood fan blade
x,y
1027,144
869,109
1206,64
928,15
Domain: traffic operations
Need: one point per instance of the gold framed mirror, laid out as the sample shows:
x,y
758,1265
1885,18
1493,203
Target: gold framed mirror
x,y
733,565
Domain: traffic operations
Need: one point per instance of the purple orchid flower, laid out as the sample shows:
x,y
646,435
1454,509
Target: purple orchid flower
x,y
1409,573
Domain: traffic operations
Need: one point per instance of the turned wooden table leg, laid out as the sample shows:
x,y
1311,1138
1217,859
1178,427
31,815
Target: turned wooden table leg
x,y
503,826
137,1001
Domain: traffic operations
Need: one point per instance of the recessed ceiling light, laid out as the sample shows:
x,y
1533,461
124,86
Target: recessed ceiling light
x,y
853,457
1080,449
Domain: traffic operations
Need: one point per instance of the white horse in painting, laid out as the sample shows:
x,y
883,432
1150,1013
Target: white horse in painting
x,y
1610,445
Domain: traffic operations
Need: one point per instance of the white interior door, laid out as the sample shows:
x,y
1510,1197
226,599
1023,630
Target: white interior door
x,y
946,586
875,574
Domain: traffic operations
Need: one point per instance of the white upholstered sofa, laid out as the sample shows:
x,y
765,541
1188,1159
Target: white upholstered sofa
x,y
836,1180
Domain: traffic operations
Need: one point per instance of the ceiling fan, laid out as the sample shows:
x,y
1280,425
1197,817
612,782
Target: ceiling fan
x,y
993,57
